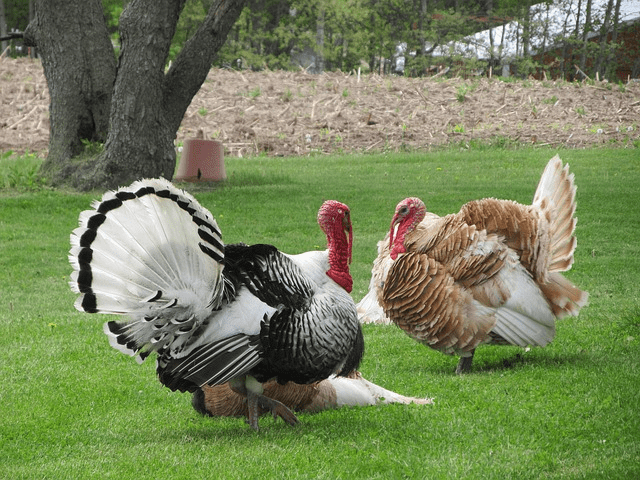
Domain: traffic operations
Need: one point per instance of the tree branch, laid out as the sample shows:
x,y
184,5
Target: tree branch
x,y
190,68
11,36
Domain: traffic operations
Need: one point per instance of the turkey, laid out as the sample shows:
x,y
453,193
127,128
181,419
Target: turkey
x,y
490,274
334,392
215,313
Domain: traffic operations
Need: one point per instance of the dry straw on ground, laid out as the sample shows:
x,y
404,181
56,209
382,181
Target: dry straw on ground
x,y
295,113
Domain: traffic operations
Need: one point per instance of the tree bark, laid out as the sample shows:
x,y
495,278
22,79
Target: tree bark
x,y
142,106
600,64
320,40
138,144
79,65
148,105
3,28
585,36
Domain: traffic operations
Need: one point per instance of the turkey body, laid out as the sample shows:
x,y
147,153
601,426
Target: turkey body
x,y
215,313
489,274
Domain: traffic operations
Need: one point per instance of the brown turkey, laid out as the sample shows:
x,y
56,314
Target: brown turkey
x,y
334,392
490,274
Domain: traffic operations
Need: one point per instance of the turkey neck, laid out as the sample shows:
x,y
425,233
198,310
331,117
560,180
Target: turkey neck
x,y
339,258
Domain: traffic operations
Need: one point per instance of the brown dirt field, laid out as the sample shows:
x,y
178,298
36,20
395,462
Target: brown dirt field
x,y
295,113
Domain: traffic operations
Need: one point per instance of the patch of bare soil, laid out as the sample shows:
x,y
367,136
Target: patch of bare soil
x,y
295,113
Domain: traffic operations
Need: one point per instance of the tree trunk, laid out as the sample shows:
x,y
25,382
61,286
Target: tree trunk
x,y
3,28
600,63
585,36
79,65
526,32
145,106
320,40
139,143
565,66
611,63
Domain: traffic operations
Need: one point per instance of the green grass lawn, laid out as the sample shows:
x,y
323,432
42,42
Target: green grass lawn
x,y
72,407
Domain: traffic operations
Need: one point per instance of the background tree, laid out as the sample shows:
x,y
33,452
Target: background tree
x,y
3,28
136,108
79,66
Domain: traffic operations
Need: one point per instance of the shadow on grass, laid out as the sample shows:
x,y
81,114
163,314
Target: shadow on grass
x,y
494,362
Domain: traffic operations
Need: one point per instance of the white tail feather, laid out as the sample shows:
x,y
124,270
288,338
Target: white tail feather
x,y
149,251
369,309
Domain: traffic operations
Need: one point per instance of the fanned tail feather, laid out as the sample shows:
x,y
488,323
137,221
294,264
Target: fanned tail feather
x,y
556,198
153,253
121,339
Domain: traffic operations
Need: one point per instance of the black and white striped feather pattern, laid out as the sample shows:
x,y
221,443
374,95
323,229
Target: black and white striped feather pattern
x,y
268,274
153,253
210,364
308,345
212,312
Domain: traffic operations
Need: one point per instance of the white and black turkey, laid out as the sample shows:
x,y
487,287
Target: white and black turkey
x,y
215,313
490,274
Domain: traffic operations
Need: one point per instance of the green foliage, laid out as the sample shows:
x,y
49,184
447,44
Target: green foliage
x,y
287,95
285,35
20,172
112,11
91,148
461,93
75,408
16,14
525,66
253,93
464,89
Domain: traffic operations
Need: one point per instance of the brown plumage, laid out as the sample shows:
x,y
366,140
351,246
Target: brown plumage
x,y
490,274
334,392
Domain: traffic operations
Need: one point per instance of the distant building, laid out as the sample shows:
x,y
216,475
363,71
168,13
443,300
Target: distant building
x,y
502,45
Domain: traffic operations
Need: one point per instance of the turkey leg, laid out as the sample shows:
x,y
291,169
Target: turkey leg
x,y
250,388
464,365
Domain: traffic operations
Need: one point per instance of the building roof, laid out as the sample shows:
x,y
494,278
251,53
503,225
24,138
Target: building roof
x,y
561,16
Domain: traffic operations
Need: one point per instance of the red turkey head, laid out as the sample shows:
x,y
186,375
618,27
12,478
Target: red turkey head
x,y
409,213
335,221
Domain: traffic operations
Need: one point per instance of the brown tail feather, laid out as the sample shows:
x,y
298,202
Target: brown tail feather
x,y
565,298
556,197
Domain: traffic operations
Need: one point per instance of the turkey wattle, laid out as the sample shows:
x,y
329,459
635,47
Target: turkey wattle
x,y
215,313
490,274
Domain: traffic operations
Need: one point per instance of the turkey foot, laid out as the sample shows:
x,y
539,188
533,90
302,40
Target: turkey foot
x,y
464,365
277,409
